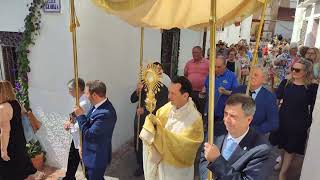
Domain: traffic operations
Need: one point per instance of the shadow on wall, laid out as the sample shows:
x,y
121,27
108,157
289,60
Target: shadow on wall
x,y
53,138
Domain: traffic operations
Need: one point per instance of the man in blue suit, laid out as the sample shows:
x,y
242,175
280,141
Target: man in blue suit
x,y
241,153
266,117
97,128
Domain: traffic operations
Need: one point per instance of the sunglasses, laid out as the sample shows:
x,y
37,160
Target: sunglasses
x,y
295,69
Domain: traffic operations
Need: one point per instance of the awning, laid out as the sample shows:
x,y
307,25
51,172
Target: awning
x,y
167,14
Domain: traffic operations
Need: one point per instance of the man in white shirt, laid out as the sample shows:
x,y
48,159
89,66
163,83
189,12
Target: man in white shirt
x,y
171,138
165,79
73,127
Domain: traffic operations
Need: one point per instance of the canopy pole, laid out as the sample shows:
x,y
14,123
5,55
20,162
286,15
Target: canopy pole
x,y
73,27
141,65
255,53
74,23
213,21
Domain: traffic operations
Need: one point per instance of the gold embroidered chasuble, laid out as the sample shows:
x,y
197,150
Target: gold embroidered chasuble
x,y
170,146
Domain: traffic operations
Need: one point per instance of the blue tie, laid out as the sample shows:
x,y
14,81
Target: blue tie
x,y
229,148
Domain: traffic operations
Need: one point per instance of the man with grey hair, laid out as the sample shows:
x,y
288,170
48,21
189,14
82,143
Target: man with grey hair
x,y
266,117
242,153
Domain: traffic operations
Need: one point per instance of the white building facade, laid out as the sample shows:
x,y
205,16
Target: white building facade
x,y
306,24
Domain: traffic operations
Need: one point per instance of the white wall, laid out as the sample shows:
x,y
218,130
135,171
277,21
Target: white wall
x,y
233,34
51,68
309,39
284,28
317,16
317,43
152,45
12,14
188,39
311,159
108,49
293,3
298,21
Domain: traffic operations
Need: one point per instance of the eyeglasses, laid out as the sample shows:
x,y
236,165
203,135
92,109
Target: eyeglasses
x,y
295,69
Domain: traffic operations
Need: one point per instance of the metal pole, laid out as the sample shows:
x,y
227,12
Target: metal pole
x,y
139,102
212,74
73,25
255,53
74,46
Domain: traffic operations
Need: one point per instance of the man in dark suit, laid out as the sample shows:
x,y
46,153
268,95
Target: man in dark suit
x,y
266,117
162,99
242,153
97,128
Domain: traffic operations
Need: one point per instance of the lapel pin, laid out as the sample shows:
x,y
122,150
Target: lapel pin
x,y
245,148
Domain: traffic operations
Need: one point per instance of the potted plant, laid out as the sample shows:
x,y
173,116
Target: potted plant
x,y
36,154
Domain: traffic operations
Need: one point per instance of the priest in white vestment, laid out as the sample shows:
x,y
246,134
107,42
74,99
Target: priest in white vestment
x,y
171,138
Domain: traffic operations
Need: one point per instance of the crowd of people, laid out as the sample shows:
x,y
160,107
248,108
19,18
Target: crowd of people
x,y
283,89
277,112
292,75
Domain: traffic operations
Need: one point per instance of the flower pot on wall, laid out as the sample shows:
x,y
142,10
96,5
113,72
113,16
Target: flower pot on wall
x,y
37,161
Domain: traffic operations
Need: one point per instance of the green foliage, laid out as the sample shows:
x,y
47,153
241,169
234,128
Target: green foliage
x,y
32,29
34,148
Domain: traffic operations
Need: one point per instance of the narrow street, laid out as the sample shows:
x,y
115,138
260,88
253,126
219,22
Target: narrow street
x,y
124,163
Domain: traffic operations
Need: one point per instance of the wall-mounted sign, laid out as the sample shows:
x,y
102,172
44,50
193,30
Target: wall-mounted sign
x,y
53,6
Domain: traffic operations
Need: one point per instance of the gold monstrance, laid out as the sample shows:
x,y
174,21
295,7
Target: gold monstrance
x,y
151,81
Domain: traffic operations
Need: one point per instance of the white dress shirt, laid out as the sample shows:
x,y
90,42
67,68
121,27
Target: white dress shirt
x,y
238,139
255,94
99,104
74,129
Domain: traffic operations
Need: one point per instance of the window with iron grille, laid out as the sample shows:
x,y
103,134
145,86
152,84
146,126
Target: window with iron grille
x,y
9,67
